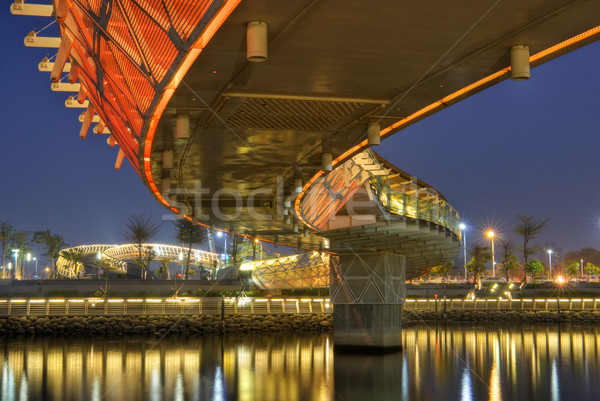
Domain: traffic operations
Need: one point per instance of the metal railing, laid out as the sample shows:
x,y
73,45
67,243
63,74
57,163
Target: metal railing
x,y
415,202
162,306
482,304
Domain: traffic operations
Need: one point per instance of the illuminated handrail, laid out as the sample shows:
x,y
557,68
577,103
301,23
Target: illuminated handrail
x,y
416,203
115,257
489,304
163,306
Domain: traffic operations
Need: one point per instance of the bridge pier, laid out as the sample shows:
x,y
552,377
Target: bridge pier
x,y
367,291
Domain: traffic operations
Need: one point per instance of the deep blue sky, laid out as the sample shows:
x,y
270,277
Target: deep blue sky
x,y
518,147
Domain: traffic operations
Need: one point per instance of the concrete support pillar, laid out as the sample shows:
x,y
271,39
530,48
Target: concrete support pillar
x,y
367,291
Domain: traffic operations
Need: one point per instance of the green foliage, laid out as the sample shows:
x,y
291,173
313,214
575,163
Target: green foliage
x,y
591,255
6,233
442,270
163,270
73,256
480,255
591,269
52,244
189,233
534,267
573,269
510,262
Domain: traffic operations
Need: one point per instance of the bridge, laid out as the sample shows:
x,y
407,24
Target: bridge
x,y
118,258
258,118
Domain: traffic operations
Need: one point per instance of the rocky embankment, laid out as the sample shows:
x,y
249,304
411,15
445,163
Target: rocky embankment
x,y
502,317
160,325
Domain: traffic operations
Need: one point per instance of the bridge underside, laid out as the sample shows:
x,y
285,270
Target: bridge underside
x,y
274,150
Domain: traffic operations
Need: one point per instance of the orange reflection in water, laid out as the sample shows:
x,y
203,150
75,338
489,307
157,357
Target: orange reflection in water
x,y
438,362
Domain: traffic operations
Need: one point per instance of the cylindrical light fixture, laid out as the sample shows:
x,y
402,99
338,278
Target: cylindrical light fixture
x,y
326,161
519,62
256,41
373,137
167,159
182,126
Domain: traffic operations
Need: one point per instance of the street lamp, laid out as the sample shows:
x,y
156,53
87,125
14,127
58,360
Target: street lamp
x,y
550,251
99,258
491,235
224,235
16,254
28,257
463,234
35,260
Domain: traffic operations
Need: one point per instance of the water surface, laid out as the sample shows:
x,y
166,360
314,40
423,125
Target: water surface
x,y
438,363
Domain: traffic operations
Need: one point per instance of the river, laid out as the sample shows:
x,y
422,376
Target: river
x,y
437,363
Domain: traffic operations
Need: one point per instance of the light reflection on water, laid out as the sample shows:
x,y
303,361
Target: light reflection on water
x,y
452,363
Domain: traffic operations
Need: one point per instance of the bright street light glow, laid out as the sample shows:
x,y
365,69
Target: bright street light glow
x,y
490,234
462,226
219,233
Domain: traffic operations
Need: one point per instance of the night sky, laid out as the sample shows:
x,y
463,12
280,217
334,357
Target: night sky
x,y
519,147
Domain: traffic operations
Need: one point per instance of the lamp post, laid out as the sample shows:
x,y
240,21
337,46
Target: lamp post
x,y
16,254
582,269
550,251
8,271
491,235
463,234
35,260
181,263
99,258
28,257
224,235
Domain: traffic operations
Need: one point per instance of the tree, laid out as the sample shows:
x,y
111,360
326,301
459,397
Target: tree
x,y
529,228
6,233
509,264
573,269
590,255
480,255
189,233
163,270
73,256
591,269
508,259
19,242
534,267
52,244
442,270
140,230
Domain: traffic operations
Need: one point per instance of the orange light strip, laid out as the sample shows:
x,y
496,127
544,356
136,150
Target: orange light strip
x,y
435,105
190,57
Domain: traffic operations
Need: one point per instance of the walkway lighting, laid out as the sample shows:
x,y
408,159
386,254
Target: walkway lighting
x,y
491,235
463,236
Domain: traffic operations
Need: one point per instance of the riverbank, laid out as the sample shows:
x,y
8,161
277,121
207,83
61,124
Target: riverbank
x,y
161,325
501,317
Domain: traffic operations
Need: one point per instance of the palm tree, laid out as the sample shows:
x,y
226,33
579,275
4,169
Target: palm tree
x,y
6,233
529,228
509,260
53,244
74,257
189,233
140,230
19,242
